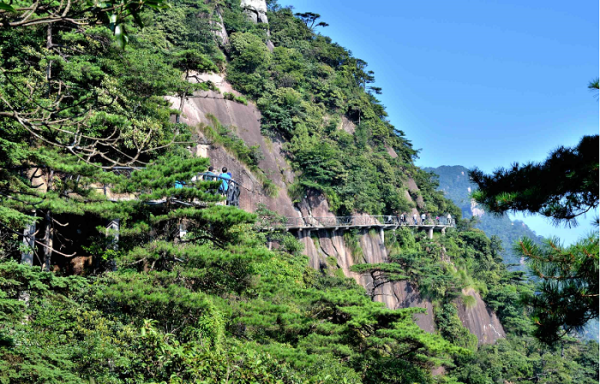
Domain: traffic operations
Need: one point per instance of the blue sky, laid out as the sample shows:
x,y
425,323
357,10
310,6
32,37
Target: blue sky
x,y
477,83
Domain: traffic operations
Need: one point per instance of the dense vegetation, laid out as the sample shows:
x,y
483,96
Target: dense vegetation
x,y
213,304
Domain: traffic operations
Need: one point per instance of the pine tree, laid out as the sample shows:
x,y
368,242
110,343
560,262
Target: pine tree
x,y
562,188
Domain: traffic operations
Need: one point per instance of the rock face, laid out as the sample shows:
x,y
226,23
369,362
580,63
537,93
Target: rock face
x,y
220,31
256,10
347,126
245,121
319,245
480,320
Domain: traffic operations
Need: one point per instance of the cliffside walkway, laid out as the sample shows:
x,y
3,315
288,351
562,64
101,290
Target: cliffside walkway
x,y
381,222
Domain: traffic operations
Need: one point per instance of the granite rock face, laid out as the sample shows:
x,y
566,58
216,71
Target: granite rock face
x,y
323,244
480,320
220,31
256,10
244,120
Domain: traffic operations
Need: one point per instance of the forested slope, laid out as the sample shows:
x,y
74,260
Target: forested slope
x,y
85,90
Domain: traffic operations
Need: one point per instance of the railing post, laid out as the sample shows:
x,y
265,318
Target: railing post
x,y
29,243
112,230
382,235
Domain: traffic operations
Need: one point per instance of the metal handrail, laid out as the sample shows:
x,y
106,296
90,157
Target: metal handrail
x,y
360,221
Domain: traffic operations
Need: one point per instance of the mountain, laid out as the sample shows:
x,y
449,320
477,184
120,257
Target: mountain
x,y
454,182
121,263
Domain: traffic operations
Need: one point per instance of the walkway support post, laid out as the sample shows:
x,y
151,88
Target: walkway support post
x,y
29,243
430,233
112,232
443,231
382,235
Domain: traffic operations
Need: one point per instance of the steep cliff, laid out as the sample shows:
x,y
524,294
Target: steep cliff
x,y
480,320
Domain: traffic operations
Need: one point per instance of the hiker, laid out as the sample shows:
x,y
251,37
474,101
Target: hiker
x,y
225,176
415,218
449,219
401,218
210,175
423,218
437,219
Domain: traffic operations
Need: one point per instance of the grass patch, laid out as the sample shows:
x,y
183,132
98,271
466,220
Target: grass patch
x,y
332,261
468,300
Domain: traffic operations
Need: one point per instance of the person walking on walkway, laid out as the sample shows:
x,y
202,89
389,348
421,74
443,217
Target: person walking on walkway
x,y
449,219
210,175
225,177
423,218
415,219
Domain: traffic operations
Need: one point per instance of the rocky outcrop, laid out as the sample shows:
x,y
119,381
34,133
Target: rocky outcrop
x,y
256,10
347,126
320,245
413,189
391,151
479,319
220,31
323,244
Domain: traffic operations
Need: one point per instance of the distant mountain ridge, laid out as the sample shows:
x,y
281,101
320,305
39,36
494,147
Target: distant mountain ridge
x,y
455,183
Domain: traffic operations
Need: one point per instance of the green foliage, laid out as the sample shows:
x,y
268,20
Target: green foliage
x,y
353,243
303,88
225,136
524,360
562,188
568,283
452,329
232,97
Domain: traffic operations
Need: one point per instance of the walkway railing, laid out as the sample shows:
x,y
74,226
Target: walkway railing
x,y
361,221
232,195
